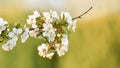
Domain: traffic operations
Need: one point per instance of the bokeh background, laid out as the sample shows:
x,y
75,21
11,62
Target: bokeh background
x,y
95,44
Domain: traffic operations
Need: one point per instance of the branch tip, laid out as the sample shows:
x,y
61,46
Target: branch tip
x,y
82,14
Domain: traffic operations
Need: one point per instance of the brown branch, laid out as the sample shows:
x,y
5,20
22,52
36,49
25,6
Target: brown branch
x,y
82,14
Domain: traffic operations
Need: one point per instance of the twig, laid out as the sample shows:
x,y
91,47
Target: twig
x,y
82,14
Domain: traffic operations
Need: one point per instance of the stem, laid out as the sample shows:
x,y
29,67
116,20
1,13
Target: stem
x,y
82,14
31,29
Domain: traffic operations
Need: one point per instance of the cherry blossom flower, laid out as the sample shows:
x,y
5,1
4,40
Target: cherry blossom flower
x,y
33,33
12,42
54,14
2,25
63,47
9,45
50,55
36,14
49,31
65,42
43,49
25,35
47,17
68,18
15,33
51,36
74,25
32,19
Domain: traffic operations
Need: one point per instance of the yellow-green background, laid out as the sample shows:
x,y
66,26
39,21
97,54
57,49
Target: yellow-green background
x,y
95,44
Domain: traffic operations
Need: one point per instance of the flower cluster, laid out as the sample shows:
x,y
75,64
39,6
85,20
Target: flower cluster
x,y
13,35
52,29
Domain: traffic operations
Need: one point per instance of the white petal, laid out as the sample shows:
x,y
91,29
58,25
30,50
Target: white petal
x,y
5,47
2,28
66,14
0,32
14,30
5,22
36,13
50,55
60,52
34,26
2,22
27,30
46,14
45,34
69,20
9,45
28,21
24,37
74,25
15,38
11,34
55,15
19,31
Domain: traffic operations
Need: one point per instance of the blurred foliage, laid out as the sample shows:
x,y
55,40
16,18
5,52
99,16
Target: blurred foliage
x,y
96,44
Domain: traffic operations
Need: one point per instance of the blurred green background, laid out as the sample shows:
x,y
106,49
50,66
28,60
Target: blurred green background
x,y
95,44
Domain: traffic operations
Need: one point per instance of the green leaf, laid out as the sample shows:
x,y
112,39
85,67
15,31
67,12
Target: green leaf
x,y
1,39
66,31
39,21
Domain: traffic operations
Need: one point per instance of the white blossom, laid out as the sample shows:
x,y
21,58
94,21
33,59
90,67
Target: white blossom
x,y
25,35
47,16
58,35
65,42
15,33
34,26
43,49
14,37
2,28
54,14
31,19
47,26
9,45
2,25
51,36
36,14
57,46
63,47
11,34
33,33
68,18
74,25
2,22
49,31
59,50
50,55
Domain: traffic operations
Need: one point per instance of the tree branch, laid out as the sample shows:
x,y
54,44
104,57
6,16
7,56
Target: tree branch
x,y
82,14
